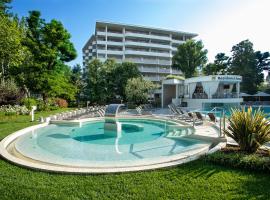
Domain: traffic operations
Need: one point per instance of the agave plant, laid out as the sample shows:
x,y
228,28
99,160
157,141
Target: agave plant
x,y
249,129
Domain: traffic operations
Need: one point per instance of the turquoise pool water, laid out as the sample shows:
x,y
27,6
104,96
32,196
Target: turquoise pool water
x,y
227,111
92,144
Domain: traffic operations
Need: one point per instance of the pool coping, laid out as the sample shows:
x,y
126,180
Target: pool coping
x,y
40,166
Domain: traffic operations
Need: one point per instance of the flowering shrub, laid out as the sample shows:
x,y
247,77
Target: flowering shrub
x,y
61,103
14,110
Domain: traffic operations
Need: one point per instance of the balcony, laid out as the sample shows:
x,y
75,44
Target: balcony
x,y
115,34
140,35
144,44
101,33
178,42
165,62
148,69
176,72
165,71
174,49
148,61
112,52
152,78
232,95
147,53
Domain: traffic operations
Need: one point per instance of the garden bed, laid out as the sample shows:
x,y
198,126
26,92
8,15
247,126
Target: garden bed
x,y
232,156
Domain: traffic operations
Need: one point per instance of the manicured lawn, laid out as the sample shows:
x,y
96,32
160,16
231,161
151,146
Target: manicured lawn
x,y
195,180
9,124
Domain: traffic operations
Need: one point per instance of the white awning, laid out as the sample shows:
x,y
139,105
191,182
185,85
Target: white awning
x,y
242,94
261,94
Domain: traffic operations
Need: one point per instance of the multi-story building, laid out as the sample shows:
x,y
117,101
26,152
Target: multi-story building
x,y
151,49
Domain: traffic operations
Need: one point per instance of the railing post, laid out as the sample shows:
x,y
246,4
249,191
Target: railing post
x,y
220,129
224,122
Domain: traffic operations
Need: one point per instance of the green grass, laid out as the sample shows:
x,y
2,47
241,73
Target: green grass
x,y
9,124
195,180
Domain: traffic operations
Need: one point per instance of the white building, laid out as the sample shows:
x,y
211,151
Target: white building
x,y
203,92
151,49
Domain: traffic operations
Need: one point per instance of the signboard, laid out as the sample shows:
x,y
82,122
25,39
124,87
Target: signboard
x,y
227,78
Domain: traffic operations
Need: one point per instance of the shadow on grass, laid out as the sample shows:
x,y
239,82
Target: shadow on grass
x,y
242,183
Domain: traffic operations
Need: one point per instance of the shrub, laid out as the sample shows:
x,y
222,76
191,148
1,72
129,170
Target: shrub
x,y
137,90
249,129
170,76
14,110
41,106
240,160
61,103
29,102
9,92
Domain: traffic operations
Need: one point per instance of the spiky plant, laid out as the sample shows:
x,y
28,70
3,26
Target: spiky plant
x,y
249,129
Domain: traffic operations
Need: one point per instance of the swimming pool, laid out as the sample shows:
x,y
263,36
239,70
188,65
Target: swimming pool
x,y
227,110
138,142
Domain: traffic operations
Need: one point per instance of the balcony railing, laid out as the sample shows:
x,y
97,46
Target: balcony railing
x,y
225,95
141,35
149,69
147,53
147,44
176,72
216,96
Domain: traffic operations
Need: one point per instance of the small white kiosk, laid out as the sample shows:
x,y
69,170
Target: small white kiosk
x,y
202,92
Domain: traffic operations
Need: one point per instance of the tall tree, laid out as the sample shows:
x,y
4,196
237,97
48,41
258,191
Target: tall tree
x,y
244,62
137,90
91,78
50,46
220,65
189,56
4,7
263,59
210,69
12,52
77,80
124,72
106,81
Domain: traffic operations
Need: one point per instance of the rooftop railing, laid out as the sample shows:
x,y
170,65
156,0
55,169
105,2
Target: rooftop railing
x,y
216,96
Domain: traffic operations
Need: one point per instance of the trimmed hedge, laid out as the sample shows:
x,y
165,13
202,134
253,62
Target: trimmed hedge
x,y
241,160
181,78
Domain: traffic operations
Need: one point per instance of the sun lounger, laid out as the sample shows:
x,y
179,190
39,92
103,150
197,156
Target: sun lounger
x,y
199,116
212,117
140,111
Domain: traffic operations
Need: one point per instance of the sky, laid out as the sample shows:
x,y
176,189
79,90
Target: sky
x,y
220,24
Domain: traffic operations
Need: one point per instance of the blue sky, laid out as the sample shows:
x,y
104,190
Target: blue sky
x,y
219,23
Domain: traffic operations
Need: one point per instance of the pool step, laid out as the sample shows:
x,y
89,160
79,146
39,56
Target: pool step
x,y
179,132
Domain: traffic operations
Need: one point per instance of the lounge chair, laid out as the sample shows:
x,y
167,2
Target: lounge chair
x,y
212,117
195,119
140,111
178,114
199,116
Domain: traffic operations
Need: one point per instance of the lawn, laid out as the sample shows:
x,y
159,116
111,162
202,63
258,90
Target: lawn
x,y
195,180
9,124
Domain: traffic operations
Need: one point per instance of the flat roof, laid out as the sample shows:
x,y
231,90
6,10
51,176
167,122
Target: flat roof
x,y
220,78
146,27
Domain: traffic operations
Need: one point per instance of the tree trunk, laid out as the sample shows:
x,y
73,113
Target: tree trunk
x,y
3,71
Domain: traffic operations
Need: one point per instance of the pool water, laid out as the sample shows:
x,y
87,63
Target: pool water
x,y
227,110
91,144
